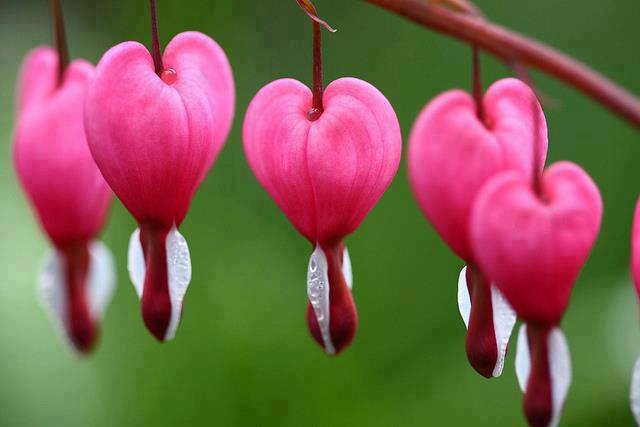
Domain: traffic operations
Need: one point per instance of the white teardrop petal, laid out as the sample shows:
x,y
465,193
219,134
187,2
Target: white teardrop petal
x,y
179,275
464,300
635,392
504,319
100,279
523,358
318,294
135,262
52,292
347,272
560,368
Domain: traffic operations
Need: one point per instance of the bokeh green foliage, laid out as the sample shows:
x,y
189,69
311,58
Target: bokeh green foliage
x,y
242,356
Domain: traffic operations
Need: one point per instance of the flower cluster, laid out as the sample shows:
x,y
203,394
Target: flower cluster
x,y
148,125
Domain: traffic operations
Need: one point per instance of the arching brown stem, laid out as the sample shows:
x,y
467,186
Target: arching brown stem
x,y
60,36
508,45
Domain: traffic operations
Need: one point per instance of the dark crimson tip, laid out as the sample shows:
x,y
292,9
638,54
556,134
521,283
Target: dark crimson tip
x,y
343,325
343,317
480,342
538,406
80,326
156,302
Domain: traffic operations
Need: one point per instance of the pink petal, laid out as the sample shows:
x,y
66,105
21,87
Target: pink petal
x,y
452,154
325,175
534,249
154,142
52,158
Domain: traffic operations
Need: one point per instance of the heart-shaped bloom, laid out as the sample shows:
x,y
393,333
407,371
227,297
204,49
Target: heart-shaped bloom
x,y
325,175
154,139
635,274
533,246
452,154
67,192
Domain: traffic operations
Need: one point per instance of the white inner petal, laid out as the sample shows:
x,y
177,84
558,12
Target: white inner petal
x,y
346,268
464,300
100,285
52,292
635,392
179,274
560,367
318,294
523,358
101,281
135,262
504,319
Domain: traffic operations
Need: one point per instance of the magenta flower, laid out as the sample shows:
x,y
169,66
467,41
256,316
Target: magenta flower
x,y
635,275
533,241
325,175
155,126
325,158
456,145
67,192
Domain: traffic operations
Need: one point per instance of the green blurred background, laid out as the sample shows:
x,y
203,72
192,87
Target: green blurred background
x,y
242,356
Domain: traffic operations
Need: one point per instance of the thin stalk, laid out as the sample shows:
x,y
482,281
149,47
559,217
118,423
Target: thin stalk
x,y
155,49
60,37
316,107
477,84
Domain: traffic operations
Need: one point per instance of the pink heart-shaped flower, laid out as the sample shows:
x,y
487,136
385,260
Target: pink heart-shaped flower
x,y
533,246
325,175
66,190
452,153
154,139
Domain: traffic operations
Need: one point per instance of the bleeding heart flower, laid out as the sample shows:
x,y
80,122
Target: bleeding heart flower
x,y
533,244
325,175
154,131
67,192
635,274
453,151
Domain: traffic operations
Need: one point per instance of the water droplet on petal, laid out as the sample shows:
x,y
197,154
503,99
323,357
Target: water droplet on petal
x,y
179,274
318,295
169,76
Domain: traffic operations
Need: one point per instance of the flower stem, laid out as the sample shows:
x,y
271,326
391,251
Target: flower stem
x,y
477,84
509,46
60,37
316,107
155,49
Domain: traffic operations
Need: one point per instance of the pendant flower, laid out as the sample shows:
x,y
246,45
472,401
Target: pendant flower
x,y
533,241
67,192
155,125
635,275
325,157
458,144
325,175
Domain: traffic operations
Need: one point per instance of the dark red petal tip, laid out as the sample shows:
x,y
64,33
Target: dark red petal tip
x,y
156,302
80,326
480,343
538,406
